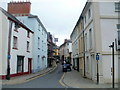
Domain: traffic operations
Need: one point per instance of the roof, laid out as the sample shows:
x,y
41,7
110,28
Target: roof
x,y
11,17
67,41
81,16
35,16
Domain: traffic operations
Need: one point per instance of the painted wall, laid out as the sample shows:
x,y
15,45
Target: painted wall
x,y
42,51
22,49
4,43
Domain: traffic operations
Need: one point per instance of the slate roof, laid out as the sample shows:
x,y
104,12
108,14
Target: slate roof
x,y
14,19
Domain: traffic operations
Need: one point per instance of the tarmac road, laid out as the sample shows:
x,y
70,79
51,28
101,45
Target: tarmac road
x,y
51,80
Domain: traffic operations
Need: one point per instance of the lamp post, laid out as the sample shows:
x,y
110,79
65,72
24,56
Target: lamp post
x,y
9,46
97,58
112,46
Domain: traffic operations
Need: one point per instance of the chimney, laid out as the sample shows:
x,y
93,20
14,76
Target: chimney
x,y
19,8
65,40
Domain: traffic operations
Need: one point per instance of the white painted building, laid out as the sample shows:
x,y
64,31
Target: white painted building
x,y
39,61
40,41
21,42
101,28
75,48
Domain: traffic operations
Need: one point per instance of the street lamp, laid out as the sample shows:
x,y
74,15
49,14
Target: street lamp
x,y
112,46
9,49
97,58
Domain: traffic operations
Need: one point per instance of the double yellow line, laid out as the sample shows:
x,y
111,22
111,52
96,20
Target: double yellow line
x,y
61,81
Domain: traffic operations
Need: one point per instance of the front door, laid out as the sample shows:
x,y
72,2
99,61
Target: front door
x,y
30,65
78,64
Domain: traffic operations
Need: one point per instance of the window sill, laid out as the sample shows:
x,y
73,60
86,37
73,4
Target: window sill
x,y
90,49
28,51
15,48
16,31
28,36
117,10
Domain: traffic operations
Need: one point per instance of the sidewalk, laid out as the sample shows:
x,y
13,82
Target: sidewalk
x,y
75,80
26,78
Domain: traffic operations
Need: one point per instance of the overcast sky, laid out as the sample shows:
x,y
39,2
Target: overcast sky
x,y
58,16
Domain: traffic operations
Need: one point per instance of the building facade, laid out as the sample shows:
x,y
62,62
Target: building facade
x,y
16,46
65,51
39,61
100,28
51,44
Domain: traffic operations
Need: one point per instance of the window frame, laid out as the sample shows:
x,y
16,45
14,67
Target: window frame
x,y
15,42
117,6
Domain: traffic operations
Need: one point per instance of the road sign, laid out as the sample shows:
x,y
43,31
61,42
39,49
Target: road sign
x,y
9,56
97,57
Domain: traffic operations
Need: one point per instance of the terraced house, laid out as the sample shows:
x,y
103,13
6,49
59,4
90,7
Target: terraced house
x,y
16,46
93,33
21,10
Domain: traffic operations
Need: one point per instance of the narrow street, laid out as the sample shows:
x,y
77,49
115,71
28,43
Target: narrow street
x,y
51,80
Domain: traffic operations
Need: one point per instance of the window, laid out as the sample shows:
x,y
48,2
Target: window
x,y
86,42
38,43
85,19
28,46
20,63
42,45
117,6
15,42
90,38
119,37
38,58
28,34
89,13
39,27
16,27
87,61
42,31
118,26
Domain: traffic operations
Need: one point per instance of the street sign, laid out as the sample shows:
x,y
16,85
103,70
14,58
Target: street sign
x,y
9,56
97,57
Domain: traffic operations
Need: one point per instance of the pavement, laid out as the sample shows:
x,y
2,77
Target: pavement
x,y
73,79
27,78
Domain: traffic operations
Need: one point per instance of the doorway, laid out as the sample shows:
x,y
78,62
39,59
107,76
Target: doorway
x,y
29,65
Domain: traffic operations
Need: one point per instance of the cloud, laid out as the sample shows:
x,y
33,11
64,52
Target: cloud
x,y
58,16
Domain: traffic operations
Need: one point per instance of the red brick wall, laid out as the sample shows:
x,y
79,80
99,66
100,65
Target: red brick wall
x,y
19,8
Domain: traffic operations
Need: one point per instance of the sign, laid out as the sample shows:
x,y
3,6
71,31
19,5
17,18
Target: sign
x,y
97,57
9,56
56,39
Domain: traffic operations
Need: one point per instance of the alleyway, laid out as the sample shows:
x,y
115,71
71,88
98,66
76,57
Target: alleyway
x,y
50,80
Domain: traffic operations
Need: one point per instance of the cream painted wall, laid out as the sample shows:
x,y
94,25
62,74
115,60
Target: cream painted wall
x,y
107,9
4,38
109,33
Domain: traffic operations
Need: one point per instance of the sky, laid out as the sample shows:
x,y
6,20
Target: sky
x,y
58,16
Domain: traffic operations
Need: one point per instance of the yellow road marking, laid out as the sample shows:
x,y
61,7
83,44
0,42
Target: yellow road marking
x,y
61,80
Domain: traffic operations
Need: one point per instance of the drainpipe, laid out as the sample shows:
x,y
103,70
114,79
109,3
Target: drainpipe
x,y
84,52
9,49
83,48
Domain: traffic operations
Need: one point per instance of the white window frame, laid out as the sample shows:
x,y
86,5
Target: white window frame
x,y
15,42
117,6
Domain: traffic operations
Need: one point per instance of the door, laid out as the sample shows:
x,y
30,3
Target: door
x,y
20,64
30,65
78,64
